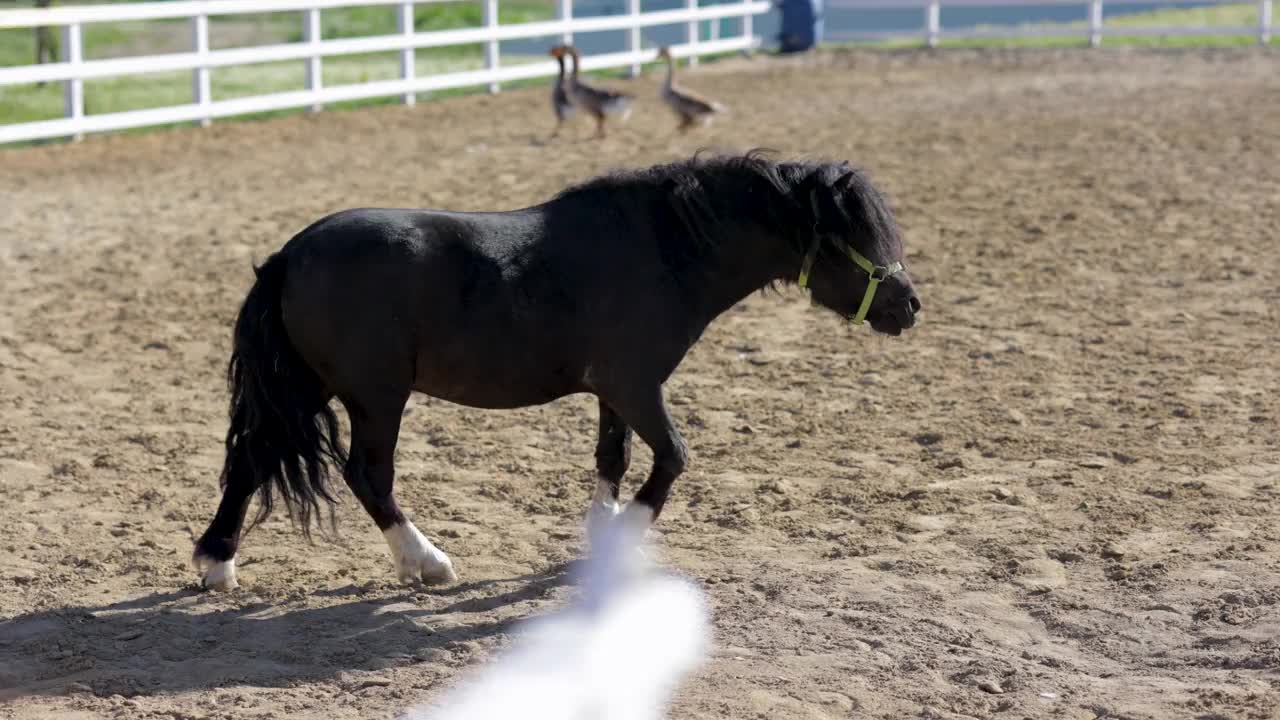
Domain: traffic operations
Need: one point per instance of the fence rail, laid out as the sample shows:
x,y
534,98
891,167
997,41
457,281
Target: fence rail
x,y
73,70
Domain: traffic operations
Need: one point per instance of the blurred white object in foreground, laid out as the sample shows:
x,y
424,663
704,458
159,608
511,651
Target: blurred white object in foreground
x,y
616,654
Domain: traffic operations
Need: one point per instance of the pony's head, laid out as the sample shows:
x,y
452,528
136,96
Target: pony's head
x,y
852,263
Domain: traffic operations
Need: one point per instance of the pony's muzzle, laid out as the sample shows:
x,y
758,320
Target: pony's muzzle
x,y
898,314
904,311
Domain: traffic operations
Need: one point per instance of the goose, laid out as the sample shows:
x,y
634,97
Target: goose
x,y
598,102
691,108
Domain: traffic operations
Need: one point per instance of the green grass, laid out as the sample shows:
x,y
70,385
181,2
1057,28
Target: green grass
x,y
1238,15
1227,15
27,103
1232,14
356,21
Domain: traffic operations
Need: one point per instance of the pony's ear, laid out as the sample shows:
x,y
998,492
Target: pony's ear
x,y
828,217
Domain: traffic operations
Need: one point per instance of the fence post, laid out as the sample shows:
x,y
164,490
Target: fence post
x,y
200,89
564,11
932,23
408,56
491,60
748,24
1095,23
633,9
1264,22
311,34
73,88
691,33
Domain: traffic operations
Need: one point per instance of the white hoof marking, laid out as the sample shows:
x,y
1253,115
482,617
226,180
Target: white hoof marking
x,y
619,545
634,521
604,508
218,576
416,559
622,528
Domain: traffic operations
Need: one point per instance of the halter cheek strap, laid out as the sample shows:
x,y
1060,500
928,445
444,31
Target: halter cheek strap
x,y
876,274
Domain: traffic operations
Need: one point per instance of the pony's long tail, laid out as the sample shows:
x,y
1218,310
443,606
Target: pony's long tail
x,y
283,435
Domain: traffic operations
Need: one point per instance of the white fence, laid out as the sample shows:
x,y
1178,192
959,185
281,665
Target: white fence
x,y
1091,13
74,69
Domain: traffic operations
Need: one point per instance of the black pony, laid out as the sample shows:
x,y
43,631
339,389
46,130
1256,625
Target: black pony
x,y
602,290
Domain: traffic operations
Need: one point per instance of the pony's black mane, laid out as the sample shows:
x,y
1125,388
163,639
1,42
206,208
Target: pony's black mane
x,y
706,191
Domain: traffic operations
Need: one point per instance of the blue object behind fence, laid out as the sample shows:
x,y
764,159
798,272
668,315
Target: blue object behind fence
x,y
801,25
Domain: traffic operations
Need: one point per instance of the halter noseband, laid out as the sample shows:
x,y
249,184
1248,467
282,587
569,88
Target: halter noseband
x,y
875,273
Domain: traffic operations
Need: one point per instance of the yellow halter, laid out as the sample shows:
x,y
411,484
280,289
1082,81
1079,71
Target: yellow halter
x,y
875,273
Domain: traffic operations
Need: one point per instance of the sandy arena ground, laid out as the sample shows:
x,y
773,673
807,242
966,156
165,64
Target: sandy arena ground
x,y
1057,498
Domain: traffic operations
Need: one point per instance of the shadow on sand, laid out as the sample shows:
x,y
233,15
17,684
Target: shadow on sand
x,y
174,641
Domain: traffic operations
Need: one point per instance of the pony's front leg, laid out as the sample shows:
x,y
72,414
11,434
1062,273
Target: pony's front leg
x,y
646,411
613,457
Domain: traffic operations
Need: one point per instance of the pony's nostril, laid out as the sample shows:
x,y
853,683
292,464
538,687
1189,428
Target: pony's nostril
x,y
914,303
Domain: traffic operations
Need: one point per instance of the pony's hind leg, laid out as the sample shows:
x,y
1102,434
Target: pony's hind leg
x,y
215,553
644,409
243,474
613,457
370,473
